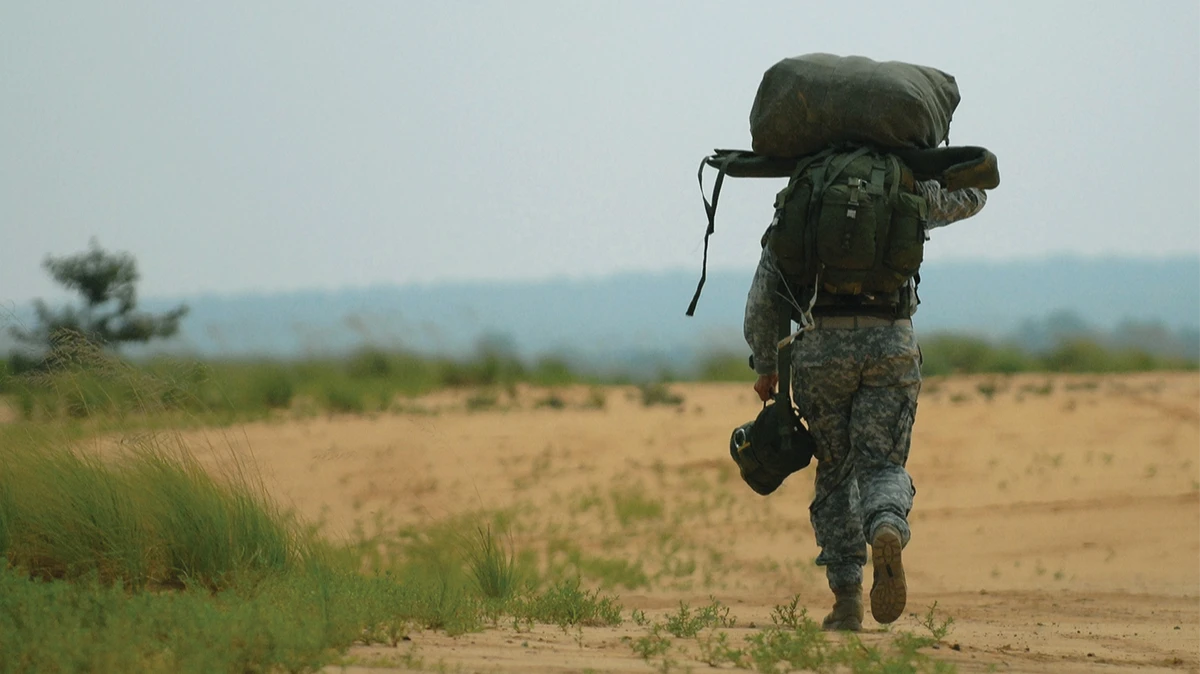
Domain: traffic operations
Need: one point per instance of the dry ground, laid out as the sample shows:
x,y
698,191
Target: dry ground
x,y
1057,518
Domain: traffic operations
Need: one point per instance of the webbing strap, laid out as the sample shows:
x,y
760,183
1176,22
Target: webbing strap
x,y
898,172
883,230
877,176
801,167
811,263
783,367
838,165
710,209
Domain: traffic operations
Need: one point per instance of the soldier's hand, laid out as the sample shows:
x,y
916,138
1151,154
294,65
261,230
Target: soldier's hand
x,y
765,386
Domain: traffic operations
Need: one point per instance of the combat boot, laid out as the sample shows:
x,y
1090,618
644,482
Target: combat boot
x,y
847,613
889,592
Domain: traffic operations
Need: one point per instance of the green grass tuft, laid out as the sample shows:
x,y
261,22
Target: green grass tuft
x,y
492,566
151,516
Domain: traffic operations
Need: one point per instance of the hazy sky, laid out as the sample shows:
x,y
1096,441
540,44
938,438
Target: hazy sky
x,y
263,146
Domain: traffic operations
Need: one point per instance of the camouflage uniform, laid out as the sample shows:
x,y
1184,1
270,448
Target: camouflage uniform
x,y
857,389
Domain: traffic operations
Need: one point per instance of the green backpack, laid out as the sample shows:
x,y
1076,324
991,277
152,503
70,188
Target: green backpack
x,y
848,223
844,217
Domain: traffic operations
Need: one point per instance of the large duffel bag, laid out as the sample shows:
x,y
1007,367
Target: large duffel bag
x,y
807,103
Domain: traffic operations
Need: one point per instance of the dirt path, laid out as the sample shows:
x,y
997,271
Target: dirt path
x,y
1057,519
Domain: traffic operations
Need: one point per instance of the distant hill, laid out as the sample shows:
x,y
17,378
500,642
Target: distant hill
x,y
631,318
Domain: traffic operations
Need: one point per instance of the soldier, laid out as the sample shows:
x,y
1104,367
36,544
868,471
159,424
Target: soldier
x,y
856,377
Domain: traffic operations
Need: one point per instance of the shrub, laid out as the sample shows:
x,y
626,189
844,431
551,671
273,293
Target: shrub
x,y
659,394
368,363
344,399
273,388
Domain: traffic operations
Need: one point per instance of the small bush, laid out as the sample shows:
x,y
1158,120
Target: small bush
x,y
597,399
659,394
483,399
341,398
566,604
957,354
687,623
274,388
552,401
369,363
552,371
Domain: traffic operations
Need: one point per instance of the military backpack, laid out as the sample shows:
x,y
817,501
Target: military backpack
x,y
848,223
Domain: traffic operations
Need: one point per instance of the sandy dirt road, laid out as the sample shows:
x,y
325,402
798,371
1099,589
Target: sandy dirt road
x,y
1057,518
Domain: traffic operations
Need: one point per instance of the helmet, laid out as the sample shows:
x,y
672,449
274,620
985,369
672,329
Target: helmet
x,y
770,448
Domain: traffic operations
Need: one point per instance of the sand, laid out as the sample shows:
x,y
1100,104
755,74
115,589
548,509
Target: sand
x,y
1057,518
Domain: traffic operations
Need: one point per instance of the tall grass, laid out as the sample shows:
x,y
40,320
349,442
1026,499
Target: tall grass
x,y
150,517
128,554
493,566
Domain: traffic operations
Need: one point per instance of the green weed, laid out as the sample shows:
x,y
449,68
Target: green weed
x,y
492,567
686,623
787,615
659,394
566,604
800,647
987,389
552,401
651,645
715,650
613,572
938,629
343,399
483,399
630,504
596,400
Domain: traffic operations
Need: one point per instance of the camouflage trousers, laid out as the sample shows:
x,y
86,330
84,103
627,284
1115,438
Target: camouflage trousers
x,y
857,389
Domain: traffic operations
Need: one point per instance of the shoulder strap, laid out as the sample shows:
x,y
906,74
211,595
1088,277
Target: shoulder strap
x,y
783,367
710,209
802,166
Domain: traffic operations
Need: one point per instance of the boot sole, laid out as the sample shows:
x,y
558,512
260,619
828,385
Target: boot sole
x,y
889,593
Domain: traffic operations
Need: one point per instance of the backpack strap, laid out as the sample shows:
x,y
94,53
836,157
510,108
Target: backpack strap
x,y
710,209
801,167
836,168
878,171
783,367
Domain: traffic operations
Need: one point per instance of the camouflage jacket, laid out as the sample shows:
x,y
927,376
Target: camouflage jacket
x,y
762,310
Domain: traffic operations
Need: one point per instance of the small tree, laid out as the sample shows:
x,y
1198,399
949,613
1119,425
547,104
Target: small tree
x,y
109,316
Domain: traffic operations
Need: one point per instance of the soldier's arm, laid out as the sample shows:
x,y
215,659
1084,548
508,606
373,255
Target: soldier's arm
x,y
946,206
762,316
